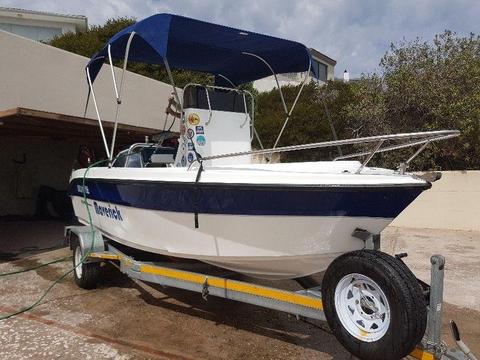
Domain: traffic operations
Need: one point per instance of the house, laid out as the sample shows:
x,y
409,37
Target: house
x,y
322,70
39,25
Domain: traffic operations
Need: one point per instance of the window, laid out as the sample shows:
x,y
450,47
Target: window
x,y
319,71
39,33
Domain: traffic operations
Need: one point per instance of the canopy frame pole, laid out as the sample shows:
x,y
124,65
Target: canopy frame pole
x,y
112,71
246,111
209,106
97,112
230,81
307,74
169,72
287,112
118,92
253,123
258,138
274,75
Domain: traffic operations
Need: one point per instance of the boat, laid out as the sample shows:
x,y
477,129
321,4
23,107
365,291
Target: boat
x,y
208,197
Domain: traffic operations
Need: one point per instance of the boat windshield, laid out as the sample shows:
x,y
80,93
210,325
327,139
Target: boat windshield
x,y
145,155
222,100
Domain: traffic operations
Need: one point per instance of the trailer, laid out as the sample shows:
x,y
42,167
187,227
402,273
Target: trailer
x,y
91,249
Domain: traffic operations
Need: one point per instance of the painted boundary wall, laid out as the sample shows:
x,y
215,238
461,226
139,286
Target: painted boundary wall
x,y
452,203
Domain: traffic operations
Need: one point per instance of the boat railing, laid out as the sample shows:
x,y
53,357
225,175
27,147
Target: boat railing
x,y
421,139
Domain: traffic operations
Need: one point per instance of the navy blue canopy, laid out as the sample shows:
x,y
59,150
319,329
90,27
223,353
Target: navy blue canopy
x,y
201,46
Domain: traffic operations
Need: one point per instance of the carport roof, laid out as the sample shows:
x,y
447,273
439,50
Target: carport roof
x,y
35,123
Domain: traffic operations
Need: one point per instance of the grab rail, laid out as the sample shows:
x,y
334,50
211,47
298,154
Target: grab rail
x,y
416,138
239,91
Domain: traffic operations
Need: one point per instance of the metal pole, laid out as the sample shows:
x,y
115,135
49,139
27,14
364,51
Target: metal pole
x,y
86,103
252,106
246,111
224,77
293,105
403,167
434,320
165,61
274,75
332,128
380,143
119,92
433,136
112,71
396,147
258,138
209,107
98,113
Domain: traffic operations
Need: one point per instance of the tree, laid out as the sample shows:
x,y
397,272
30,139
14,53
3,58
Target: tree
x,y
90,42
431,86
309,121
422,86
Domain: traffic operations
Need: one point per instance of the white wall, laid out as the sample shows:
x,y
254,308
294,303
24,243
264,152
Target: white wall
x,y
452,203
35,29
68,23
269,83
41,77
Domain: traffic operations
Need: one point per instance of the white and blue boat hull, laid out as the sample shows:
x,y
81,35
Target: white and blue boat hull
x,y
266,230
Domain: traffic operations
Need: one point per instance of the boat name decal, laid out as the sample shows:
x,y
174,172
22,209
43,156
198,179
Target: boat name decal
x,y
108,211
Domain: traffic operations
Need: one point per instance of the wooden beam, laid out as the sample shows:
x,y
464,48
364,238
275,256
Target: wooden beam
x,y
30,123
80,120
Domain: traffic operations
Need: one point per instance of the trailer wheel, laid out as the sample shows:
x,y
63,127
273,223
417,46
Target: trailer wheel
x,y
374,305
85,274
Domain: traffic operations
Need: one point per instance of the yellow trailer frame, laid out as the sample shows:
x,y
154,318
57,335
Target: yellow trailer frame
x,y
303,303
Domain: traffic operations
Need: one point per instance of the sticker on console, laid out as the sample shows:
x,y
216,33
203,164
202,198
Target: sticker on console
x,y
191,156
193,119
201,140
199,130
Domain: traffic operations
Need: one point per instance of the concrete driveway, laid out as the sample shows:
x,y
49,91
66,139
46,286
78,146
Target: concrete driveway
x,y
123,319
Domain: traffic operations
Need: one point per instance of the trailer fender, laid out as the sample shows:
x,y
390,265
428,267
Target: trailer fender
x,y
90,239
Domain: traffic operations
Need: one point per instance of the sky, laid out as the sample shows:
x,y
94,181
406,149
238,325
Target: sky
x,y
356,33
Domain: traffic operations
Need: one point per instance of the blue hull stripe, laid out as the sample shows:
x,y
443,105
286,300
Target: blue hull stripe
x,y
244,199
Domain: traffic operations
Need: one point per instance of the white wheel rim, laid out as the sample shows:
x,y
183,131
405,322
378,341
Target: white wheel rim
x,y
78,260
362,307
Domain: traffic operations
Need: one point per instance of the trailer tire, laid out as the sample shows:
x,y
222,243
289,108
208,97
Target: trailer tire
x,y
374,305
86,275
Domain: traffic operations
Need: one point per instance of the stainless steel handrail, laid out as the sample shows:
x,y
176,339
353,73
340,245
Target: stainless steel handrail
x,y
239,91
426,137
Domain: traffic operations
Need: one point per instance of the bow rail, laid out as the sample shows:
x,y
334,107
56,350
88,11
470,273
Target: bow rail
x,y
412,139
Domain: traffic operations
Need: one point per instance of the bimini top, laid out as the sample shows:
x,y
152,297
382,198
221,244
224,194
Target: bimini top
x,y
201,46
